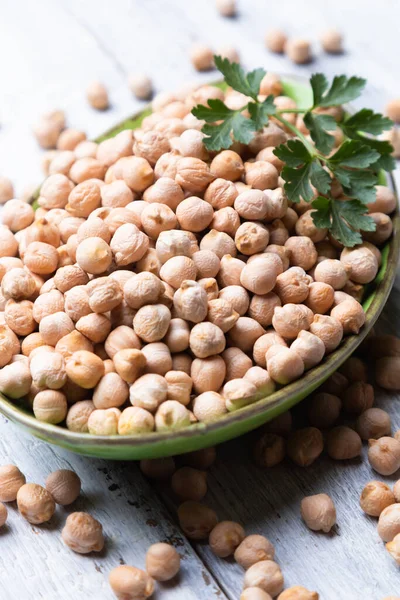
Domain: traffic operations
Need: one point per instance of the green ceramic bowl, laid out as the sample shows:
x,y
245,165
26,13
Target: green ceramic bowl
x,y
154,445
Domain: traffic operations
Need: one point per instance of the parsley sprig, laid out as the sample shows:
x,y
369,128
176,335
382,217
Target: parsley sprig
x,y
310,165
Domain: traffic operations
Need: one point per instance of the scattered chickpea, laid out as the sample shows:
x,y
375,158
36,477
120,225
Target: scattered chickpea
x,y
196,520
343,443
375,497
201,57
254,593
189,484
141,86
318,512
298,51
226,8
11,480
275,41
269,450
298,592
35,503
50,406
162,562
373,423
158,468
305,446
97,95
384,455
83,533
64,486
324,410
393,548
266,575
387,373
389,522
130,583
332,41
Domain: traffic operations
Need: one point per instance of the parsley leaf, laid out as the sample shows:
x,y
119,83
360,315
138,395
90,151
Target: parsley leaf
x,y
354,154
350,165
319,125
293,153
344,219
367,121
235,76
232,121
343,89
260,111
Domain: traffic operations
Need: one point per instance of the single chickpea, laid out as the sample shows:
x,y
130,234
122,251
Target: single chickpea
x,y
252,549
78,416
166,191
329,330
218,242
179,386
48,370
69,139
188,483
97,95
350,314
157,218
158,358
207,263
64,486
332,41
263,344
87,168
83,533
196,520
193,175
129,364
201,57
116,217
358,397
230,271
266,575
385,201
94,326
262,308
254,593
55,326
142,289
373,423
206,339
55,191
225,538
149,391
69,277
110,151
158,468
134,420
128,244
11,480
260,273
130,583
210,286
50,406
278,234
393,548
8,243
389,522
110,392
320,297
292,286
85,369
305,446
383,229
290,319
141,86
151,322
70,343
171,416
238,393
172,244
245,333
361,263
190,301
324,410
115,195
298,51
332,272
384,455
35,503
267,154
177,336
162,562
209,406
6,189
94,255
194,214
237,296
66,229
17,215
84,199
375,497
86,148
207,374
275,41
18,317
302,252
104,421
227,165
221,193
15,378
309,347
61,162
18,284
104,294
269,450
343,443
318,512
387,373
261,175
251,238
221,313
32,341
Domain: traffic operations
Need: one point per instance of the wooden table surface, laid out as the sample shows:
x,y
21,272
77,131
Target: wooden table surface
x,y
50,50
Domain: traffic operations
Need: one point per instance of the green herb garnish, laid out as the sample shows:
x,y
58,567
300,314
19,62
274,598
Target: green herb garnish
x,y
310,166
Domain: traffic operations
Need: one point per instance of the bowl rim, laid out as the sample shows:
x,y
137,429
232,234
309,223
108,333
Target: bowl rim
x,y
286,395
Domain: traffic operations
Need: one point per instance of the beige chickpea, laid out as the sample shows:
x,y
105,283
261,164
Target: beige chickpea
x,y
83,533
69,277
104,421
19,317
290,319
55,191
48,370
309,347
269,450
17,215
292,286
324,410
385,201
114,218
190,301
110,392
393,548
261,175
221,313
162,562
332,41
173,243
167,164
55,326
318,512
130,583
196,520
227,165
61,163
209,407
260,273
206,339
32,341
149,391
120,338
201,57
72,342
8,243
253,549
278,234
225,538
320,297
78,416
343,443
302,252
150,263
275,41
389,522
193,175
305,226
94,326
85,369
104,294
177,336
208,373
350,314
333,272
284,364
18,284
328,329
188,483
266,575
254,593
134,420
6,189
190,143
86,148
373,423
194,214
141,86
9,262
128,244
15,380
157,218
267,154
305,446
67,228
115,194
383,231
87,168
179,386
226,220
237,296
35,503
221,193
361,263
69,139
238,393
298,51
94,255
375,497
110,150
210,286
151,322
97,95
166,191
230,271
84,199
218,242
129,364
251,238
11,480
384,455
144,288
245,333
261,379
263,344
50,406
171,416
64,485
207,263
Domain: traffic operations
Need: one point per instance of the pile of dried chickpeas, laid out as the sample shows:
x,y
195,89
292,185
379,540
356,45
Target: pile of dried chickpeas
x,y
158,285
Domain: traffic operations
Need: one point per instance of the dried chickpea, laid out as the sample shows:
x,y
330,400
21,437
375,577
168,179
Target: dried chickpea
x,y
266,575
302,252
393,548
11,480
129,363
254,593
238,393
188,483
78,416
225,538
309,347
194,214
94,326
135,420
48,370
332,272
320,297
115,195
209,406
85,369
15,379
6,189
158,358
162,562
389,522
343,443
19,317
179,386
207,374
70,343
350,314
35,503
110,392
305,445
290,319
141,86
158,468
144,288
18,284
328,329
375,497
373,423
64,485
262,308
149,391
292,286
128,244
220,243
83,533
245,333
259,275
151,322
196,520
94,255
318,512
55,326
269,450
8,243
230,271
104,421
50,406
69,277
17,215
251,238
201,57
384,455
166,191
32,341
130,583
97,95
361,263
190,302
324,410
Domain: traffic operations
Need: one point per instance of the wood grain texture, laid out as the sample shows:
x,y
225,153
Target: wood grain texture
x,y
51,49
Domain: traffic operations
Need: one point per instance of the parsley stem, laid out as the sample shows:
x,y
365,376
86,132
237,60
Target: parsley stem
x,y
297,133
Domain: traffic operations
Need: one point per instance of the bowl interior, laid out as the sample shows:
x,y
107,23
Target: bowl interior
x,y
199,435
